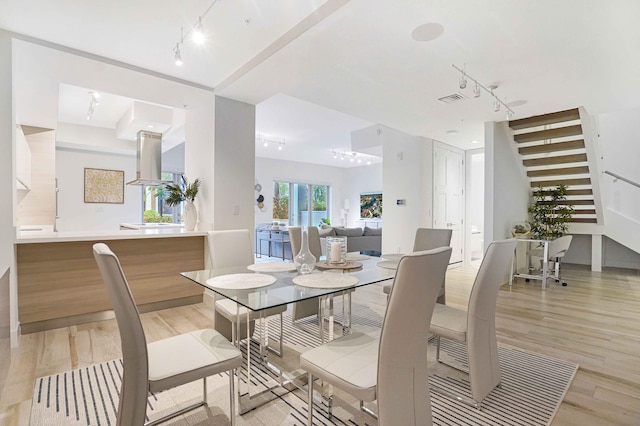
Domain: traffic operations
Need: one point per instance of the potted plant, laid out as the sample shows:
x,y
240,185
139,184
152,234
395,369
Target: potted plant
x,y
550,213
187,192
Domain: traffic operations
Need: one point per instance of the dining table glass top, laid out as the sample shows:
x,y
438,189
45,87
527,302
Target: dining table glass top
x,y
283,291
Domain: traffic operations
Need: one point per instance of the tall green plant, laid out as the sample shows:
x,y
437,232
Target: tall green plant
x,y
550,213
177,193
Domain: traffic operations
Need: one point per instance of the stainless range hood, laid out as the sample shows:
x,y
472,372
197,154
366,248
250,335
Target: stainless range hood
x,y
149,160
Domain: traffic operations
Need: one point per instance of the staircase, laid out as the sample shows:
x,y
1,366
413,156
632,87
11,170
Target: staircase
x,y
553,151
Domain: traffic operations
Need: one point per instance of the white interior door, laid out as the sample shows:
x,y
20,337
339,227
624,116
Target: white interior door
x,y
448,200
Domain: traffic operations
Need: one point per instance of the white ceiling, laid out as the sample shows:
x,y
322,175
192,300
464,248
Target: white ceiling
x,y
299,60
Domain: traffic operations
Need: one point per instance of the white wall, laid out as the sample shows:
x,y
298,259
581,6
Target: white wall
x,y
619,136
269,170
358,180
8,189
405,178
75,214
507,192
614,255
234,164
474,204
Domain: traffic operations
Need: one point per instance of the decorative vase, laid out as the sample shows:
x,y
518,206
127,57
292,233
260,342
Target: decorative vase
x,y
190,216
305,261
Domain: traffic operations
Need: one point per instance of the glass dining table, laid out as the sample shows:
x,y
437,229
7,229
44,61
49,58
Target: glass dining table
x,y
260,291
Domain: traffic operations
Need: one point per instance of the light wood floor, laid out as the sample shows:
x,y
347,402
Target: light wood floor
x,y
594,322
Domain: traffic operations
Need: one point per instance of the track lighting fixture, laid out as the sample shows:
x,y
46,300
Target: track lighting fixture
x,y
497,102
198,33
266,142
354,157
197,36
463,81
177,55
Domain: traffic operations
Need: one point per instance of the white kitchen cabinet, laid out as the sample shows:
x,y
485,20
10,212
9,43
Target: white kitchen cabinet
x,y
23,160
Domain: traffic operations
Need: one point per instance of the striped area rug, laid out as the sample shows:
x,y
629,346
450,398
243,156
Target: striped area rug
x,y
533,387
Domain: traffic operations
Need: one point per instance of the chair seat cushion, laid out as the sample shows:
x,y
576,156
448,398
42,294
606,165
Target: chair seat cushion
x,y
188,357
449,322
229,309
349,363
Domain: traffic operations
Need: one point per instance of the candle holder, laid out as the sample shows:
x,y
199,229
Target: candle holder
x,y
337,250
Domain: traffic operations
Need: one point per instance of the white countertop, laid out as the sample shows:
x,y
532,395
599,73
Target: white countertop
x,y
53,237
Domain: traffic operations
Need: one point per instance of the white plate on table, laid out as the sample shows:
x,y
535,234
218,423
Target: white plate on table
x,y
357,256
388,264
241,281
272,267
392,256
325,280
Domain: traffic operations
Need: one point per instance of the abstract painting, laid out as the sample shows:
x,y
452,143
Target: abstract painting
x,y
103,186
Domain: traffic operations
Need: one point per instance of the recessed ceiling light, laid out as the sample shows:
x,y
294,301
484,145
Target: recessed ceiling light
x,y
427,32
452,132
474,141
150,126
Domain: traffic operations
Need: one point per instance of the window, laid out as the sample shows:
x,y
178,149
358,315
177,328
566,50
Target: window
x,y
154,207
300,204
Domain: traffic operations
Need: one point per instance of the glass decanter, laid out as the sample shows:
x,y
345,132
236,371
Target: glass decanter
x,y
305,261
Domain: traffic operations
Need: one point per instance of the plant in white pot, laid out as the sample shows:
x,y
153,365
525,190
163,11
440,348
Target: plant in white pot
x,y
187,192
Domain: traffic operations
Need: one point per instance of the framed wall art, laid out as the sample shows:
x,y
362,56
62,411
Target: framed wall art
x,y
103,186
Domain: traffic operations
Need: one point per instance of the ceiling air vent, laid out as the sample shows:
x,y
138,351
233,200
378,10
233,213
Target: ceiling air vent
x,y
452,98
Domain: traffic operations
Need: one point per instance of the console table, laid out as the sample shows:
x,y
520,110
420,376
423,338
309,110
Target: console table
x,y
275,240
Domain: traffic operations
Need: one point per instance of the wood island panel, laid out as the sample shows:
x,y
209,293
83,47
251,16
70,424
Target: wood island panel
x,y
61,279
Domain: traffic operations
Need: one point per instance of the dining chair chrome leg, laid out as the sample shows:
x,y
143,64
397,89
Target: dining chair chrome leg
x,y
447,363
204,390
310,399
232,398
369,411
460,398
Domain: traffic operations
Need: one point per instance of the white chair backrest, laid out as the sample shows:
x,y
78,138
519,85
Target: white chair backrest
x,y
559,246
295,236
402,359
492,274
230,248
429,238
133,397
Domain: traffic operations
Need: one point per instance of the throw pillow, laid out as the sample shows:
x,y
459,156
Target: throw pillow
x,y
372,231
326,232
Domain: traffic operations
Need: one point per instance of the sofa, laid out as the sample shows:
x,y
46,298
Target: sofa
x,y
358,239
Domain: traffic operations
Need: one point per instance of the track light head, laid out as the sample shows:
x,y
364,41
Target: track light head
x,y
177,55
198,36
496,105
476,90
463,81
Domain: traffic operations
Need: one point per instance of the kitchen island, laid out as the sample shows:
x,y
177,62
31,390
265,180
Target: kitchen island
x,y
59,283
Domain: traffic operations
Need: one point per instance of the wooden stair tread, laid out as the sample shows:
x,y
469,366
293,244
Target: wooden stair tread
x,y
585,211
558,159
552,147
556,182
559,172
559,132
587,191
571,202
544,119
583,220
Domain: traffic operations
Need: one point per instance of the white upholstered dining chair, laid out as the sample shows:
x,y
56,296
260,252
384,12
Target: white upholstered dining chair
x,y
164,364
428,239
227,249
393,368
557,249
476,326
